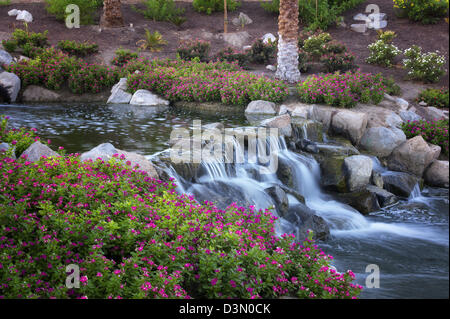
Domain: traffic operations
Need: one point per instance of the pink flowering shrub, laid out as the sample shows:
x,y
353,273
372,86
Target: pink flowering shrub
x,y
193,81
134,237
342,89
434,132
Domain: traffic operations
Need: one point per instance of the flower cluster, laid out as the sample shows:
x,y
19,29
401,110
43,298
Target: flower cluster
x,y
434,132
342,90
193,81
338,62
134,237
427,67
190,49
77,48
383,52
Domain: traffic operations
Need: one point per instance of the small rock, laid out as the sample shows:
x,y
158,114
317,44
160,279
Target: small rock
x,y
13,12
5,147
213,126
119,94
423,103
377,25
11,83
281,122
377,16
437,174
261,107
360,28
280,199
243,19
384,197
376,179
361,17
363,201
271,68
409,116
38,150
401,103
400,184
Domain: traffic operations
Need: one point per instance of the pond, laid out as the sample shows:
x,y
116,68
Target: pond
x,y
409,241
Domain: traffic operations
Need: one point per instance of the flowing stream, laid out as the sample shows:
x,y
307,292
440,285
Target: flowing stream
x,y
408,241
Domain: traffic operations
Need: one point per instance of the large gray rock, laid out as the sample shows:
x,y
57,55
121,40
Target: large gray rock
x,y
5,58
11,83
106,151
279,197
281,122
358,169
144,97
300,110
350,124
413,156
34,93
363,201
381,141
333,173
37,150
409,116
304,219
384,197
261,107
431,113
236,39
437,174
400,184
24,16
119,94
268,37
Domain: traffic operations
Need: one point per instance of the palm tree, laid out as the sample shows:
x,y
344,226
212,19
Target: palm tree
x,y
112,14
287,68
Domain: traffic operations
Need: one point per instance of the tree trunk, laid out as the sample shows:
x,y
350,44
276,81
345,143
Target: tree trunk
x,y
287,68
112,14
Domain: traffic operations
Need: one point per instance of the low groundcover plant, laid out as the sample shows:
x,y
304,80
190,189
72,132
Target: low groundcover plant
x,y
134,237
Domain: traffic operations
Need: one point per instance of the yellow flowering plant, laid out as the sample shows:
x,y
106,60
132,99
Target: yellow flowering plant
x,y
424,11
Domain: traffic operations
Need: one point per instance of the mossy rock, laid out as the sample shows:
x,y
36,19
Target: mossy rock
x,y
333,174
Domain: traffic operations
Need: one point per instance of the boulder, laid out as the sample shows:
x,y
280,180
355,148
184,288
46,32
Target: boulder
x,y
307,129
280,198
5,58
34,93
11,83
358,170
37,150
261,107
413,156
305,219
359,27
144,97
301,110
393,120
213,126
271,68
268,37
106,151
332,173
119,94
381,141
437,174
384,197
236,39
363,201
409,116
281,122
376,179
243,19
400,184
13,12
431,113
349,124
24,16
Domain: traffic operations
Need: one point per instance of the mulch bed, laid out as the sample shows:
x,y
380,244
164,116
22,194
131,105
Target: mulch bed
x,y
429,37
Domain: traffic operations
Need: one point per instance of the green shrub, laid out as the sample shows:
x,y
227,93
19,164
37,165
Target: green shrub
x,y
383,52
434,97
231,55
338,62
87,9
91,78
427,67
190,49
335,47
392,88
303,59
261,52
434,132
342,90
315,45
28,43
424,11
5,3
210,6
10,45
77,48
162,10
123,56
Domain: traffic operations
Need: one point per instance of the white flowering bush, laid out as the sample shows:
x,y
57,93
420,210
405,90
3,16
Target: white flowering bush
x,y
427,67
383,52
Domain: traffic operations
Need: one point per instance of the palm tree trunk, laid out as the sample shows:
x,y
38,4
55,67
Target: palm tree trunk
x,y
112,14
287,68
